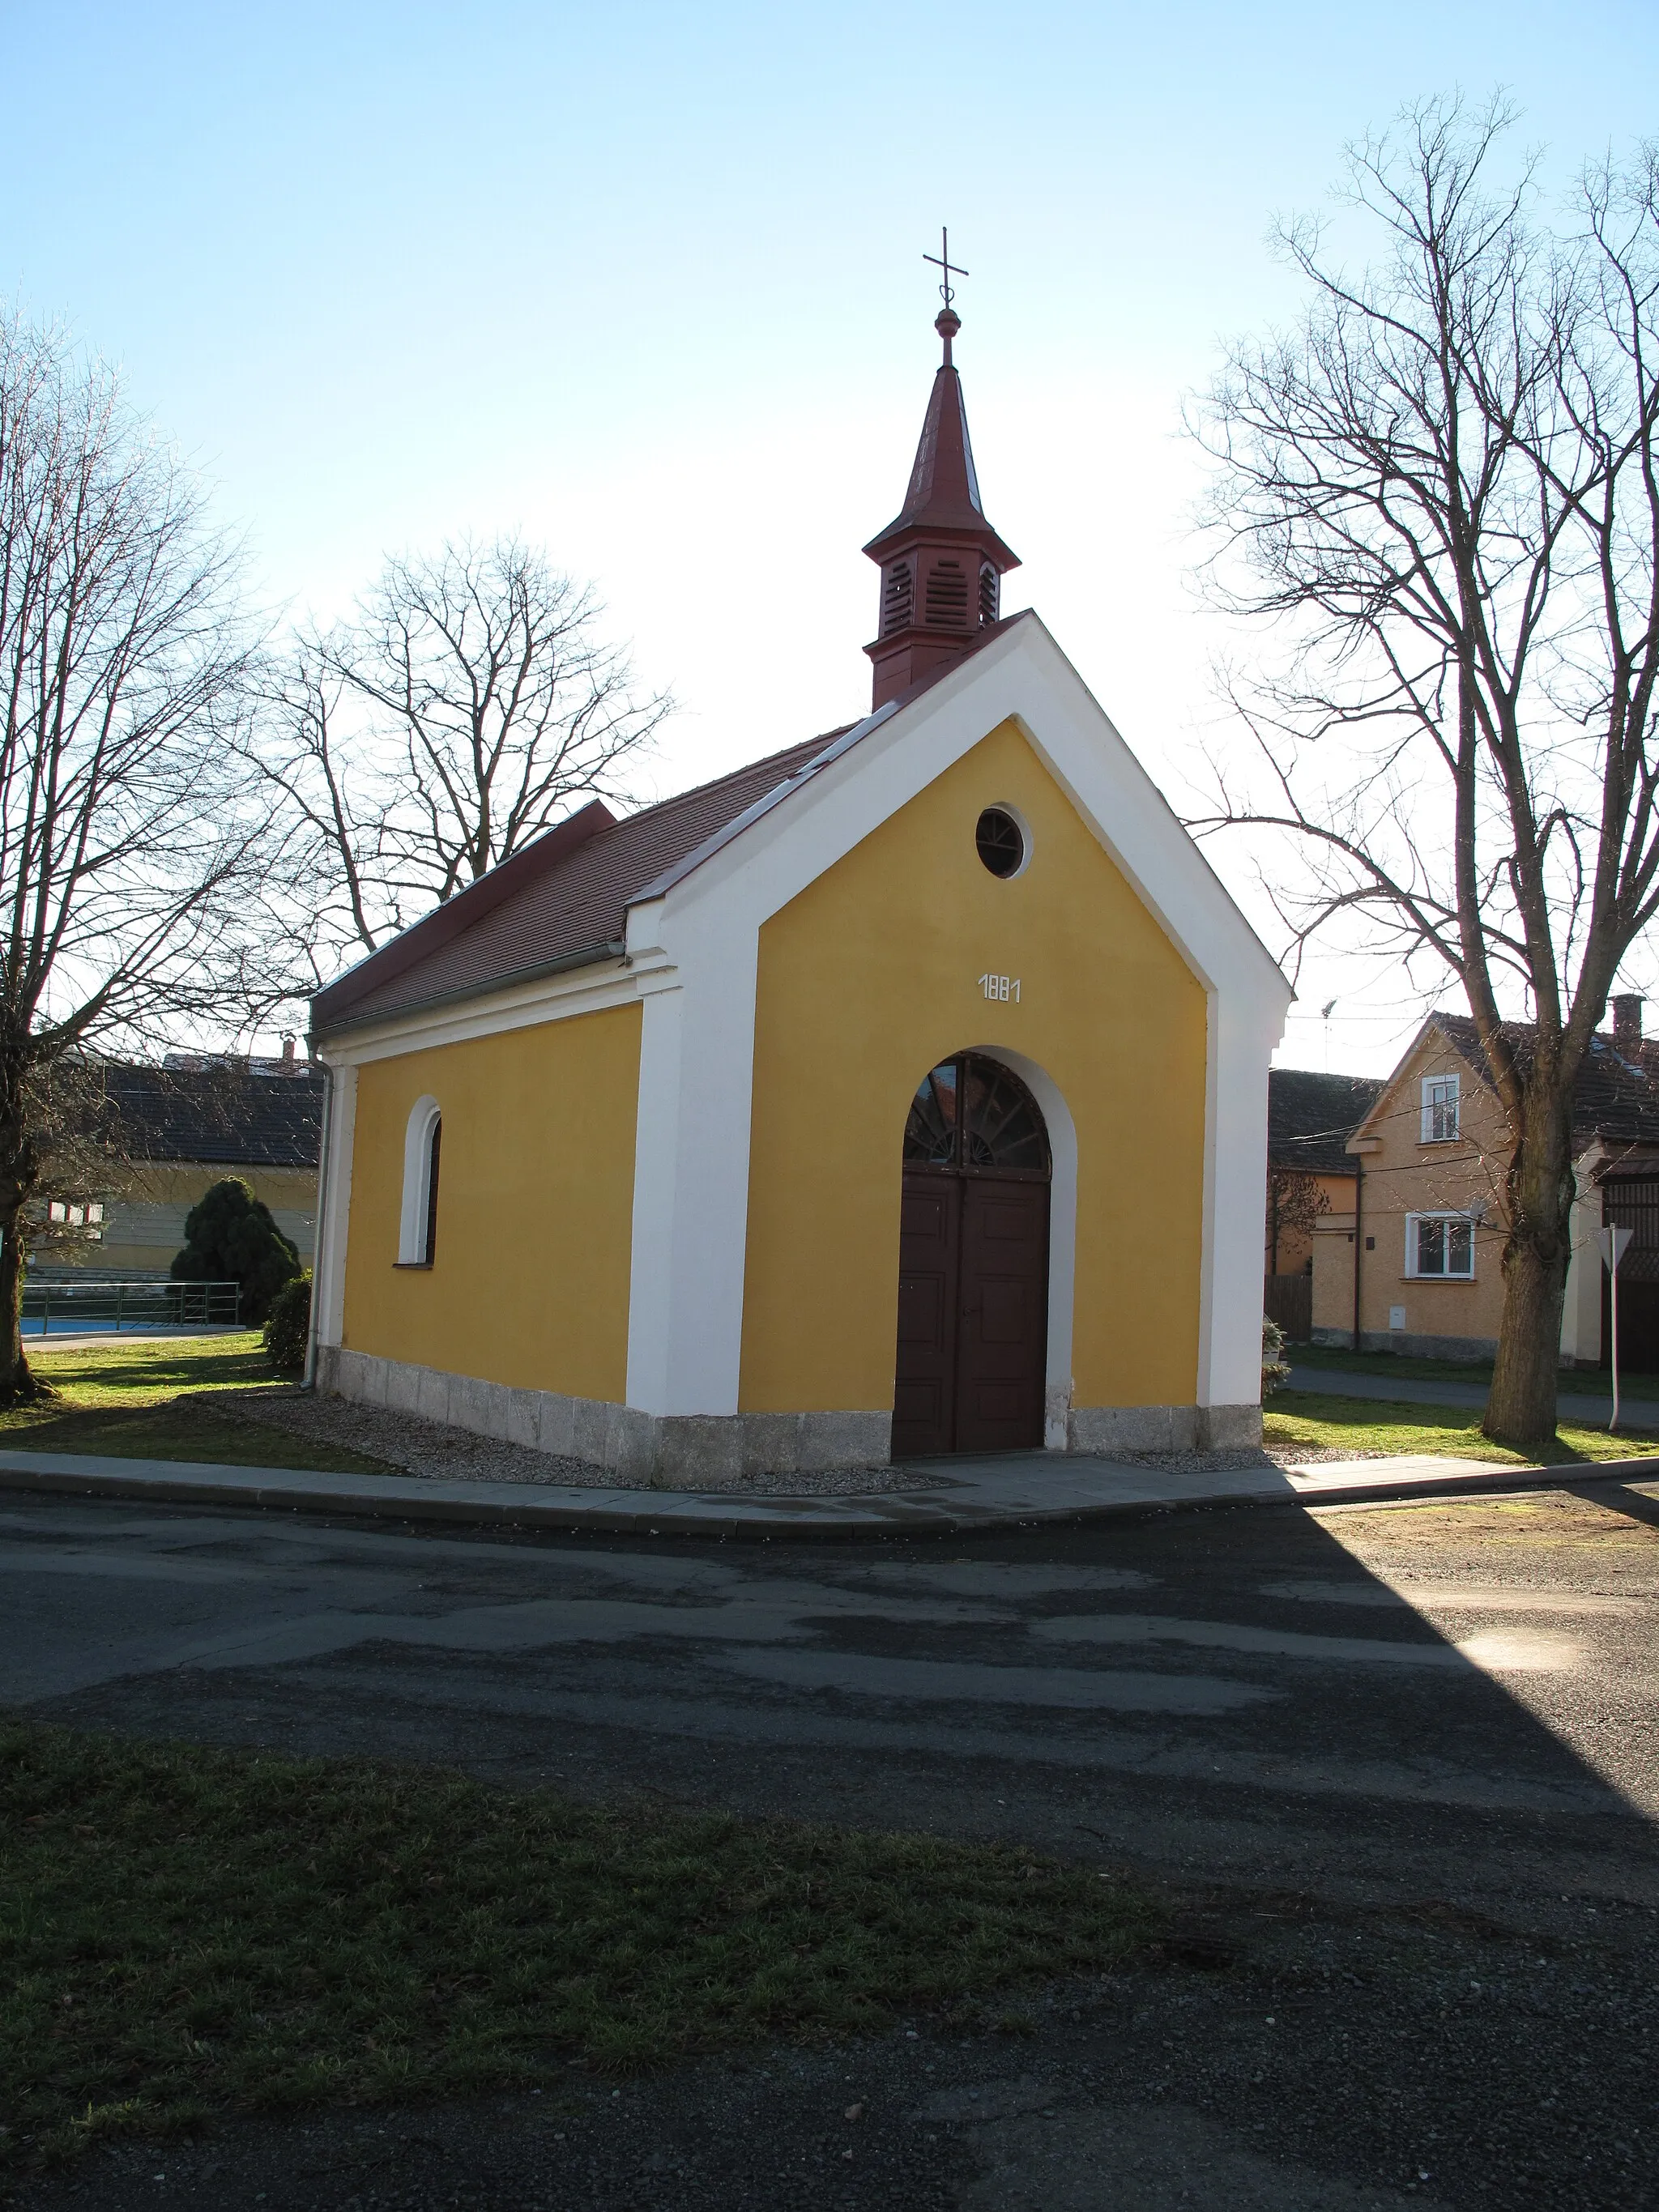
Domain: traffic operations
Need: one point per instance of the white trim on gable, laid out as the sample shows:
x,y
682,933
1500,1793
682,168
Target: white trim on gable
x,y
1022,676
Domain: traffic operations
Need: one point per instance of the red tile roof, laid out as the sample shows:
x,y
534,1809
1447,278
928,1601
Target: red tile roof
x,y
1616,1096
563,901
560,903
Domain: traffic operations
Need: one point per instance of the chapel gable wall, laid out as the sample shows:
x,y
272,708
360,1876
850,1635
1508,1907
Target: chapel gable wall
x,y
870,976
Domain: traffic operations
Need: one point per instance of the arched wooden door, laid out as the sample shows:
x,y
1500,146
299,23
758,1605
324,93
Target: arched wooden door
x,y
973,1305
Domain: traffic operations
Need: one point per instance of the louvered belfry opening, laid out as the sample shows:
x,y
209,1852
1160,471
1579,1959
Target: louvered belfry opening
x,y
947,595
941,562
897,598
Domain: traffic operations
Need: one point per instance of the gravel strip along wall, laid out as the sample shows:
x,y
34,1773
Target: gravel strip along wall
x,y
430,1448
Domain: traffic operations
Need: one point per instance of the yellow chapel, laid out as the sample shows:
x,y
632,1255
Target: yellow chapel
x,y
901,1095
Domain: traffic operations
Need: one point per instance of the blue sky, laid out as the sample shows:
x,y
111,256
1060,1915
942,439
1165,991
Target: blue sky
x,y
646,282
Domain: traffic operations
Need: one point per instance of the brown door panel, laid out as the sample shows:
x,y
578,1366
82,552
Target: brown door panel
x,y
1002,1342
1005,1316
924,1389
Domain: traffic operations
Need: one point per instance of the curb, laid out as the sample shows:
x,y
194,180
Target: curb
x,y
690,1513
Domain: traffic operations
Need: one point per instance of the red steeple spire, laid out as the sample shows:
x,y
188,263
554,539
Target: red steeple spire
x,y
941,562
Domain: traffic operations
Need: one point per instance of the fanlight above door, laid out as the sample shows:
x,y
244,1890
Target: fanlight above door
x,y
971,1115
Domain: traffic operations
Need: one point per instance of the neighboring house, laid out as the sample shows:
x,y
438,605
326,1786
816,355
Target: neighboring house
x,y
169,1133
1420,1271
902,1092
1310,1118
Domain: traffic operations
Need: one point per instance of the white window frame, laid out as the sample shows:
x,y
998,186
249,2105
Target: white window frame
x,y
423,1118
1414,1274
1440,1092
75,1213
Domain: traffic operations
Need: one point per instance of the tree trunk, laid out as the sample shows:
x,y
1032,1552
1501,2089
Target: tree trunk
x,y
1521,1407
19,1170
16,1382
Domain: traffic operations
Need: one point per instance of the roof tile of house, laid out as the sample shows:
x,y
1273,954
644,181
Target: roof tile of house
x,y
221,1115
565,898
1617,1094
1311,1116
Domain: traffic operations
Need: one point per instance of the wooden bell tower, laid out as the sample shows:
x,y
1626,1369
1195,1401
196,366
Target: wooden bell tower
x,y
941,562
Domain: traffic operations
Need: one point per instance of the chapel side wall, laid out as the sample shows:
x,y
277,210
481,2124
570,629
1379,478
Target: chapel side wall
x,y
868,979
1404,1175
530,1287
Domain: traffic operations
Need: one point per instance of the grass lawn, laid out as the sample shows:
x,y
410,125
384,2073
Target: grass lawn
x,y
127,1400
1589,1381
192,1931
1373,1425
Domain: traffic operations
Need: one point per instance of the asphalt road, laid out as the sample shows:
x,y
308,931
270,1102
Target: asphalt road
x,y
1395,1766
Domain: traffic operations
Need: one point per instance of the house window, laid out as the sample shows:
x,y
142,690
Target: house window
x,y
75,1213
1440,1246
1440,1109
418,1221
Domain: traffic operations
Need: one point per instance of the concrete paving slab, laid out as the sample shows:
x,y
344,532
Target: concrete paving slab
x,y
1011,1490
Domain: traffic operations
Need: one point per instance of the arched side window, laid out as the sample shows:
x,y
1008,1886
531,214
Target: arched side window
x,y
417,1225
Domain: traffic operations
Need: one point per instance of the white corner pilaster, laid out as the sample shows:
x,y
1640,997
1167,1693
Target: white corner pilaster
x,y
1235,1185
656,1161
334,1214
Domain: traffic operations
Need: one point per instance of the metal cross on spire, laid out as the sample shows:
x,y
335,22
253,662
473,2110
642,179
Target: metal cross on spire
x,y
942,261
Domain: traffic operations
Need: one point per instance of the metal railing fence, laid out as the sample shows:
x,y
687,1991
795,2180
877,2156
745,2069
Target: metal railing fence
x,y
64,1308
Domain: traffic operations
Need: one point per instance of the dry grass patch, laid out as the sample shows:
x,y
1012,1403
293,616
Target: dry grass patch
x,y
142,1400
1368,1425
190,1931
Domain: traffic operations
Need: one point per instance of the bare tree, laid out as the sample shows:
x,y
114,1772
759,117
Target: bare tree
x,y
456,718
1295,1204
339,893
130,835
1439,495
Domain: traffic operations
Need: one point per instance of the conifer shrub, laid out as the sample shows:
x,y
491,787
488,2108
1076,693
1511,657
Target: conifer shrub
x,y
1275,1368
288,1329
230,1237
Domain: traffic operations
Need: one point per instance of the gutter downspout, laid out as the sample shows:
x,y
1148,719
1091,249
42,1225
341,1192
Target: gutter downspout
x,y
1358,1241
308,1379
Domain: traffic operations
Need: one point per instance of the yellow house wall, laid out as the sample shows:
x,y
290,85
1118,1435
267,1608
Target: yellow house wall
x,y
1295,1245
145,1206
1405,1175
866,981
535,1207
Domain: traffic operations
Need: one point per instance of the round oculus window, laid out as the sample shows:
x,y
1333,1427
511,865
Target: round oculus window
x,y
999,841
